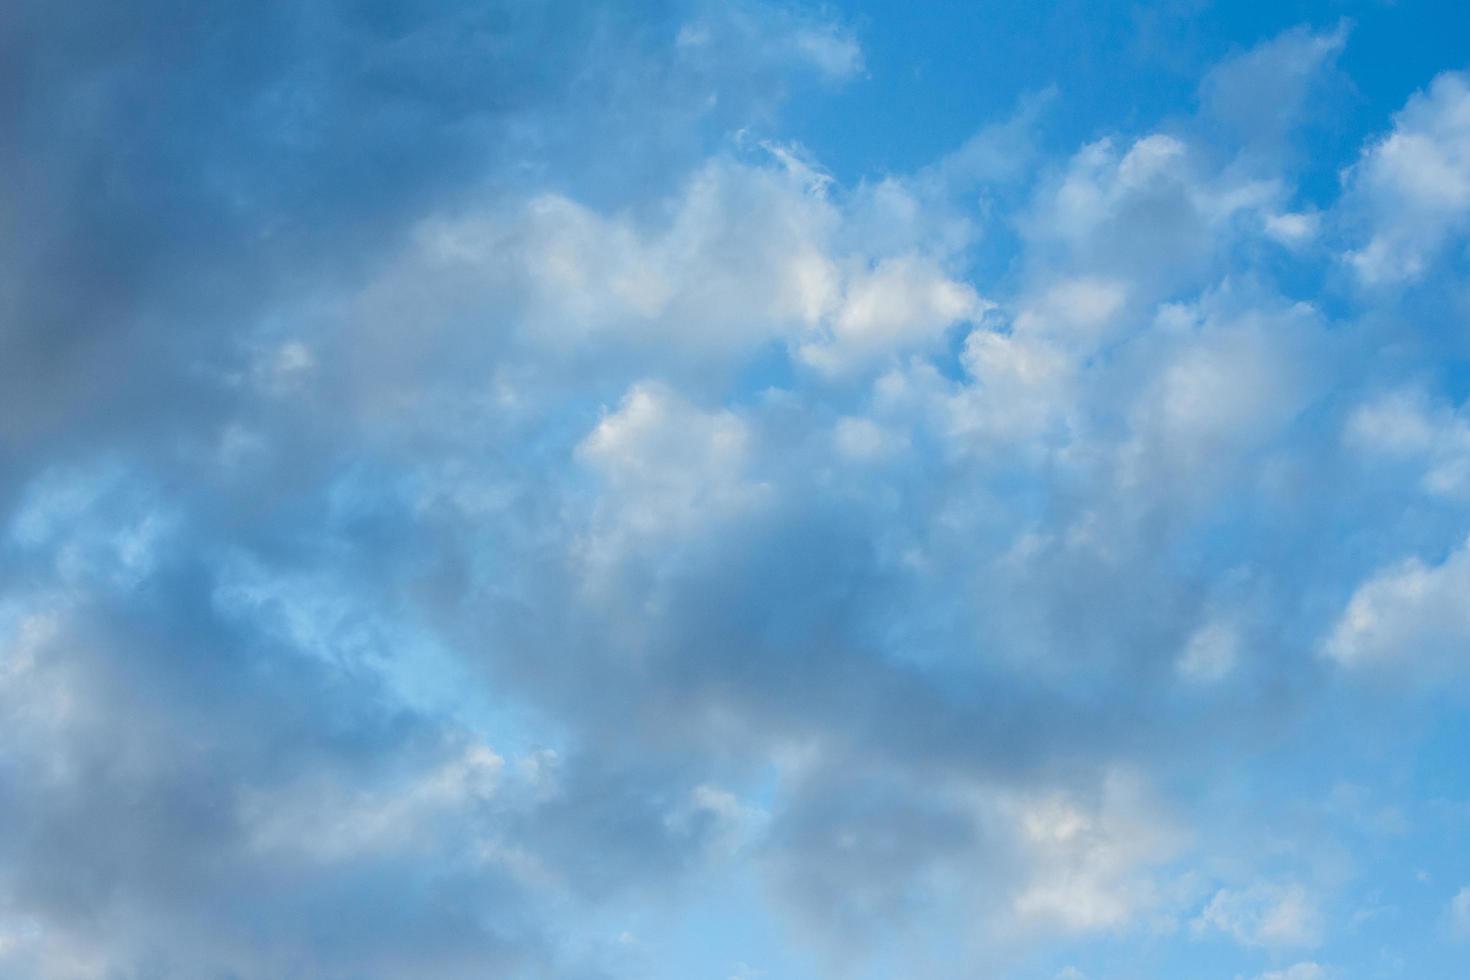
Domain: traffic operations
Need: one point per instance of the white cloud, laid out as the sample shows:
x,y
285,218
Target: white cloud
x,y
901,303
1025,377
1151,215
1414,184
863,440
1023,386
1219,388
1211,652
762,36
1305,970
668,464
742,255
1073,311
1217,381
1089,862
1407,614
1397,423
1294,229
737,256
1406,425
1265,915
1458,914
689,282
830,50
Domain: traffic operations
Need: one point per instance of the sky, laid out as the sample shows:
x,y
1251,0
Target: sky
x,y
691,490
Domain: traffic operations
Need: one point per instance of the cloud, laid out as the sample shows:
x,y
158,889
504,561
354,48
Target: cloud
x,y
902,303
1408,426
220,835
1272,915
1305,970
258,825
1088,863
1407,613
852,853
1151,212
484,489
1413,185
1211,653
772,37
671,470
1261,95
1459,914
224,164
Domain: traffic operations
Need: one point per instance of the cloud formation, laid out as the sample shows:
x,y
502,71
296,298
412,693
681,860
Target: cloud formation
x,y
476,488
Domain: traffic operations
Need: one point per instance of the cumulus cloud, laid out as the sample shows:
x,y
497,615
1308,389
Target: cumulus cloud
x,y
1414,184
1408,426
1090,862
1406,613
901,303
483,490
1151,212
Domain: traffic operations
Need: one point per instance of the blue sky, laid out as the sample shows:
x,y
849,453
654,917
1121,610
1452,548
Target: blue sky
x,y
734,490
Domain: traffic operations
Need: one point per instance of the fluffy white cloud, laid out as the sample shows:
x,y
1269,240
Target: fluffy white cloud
x,y
1407,425
1409,614
1414,184
1151,213
902,303
1091,862
1218,381
682,278
1294,229
669,465
750,251
1073,312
